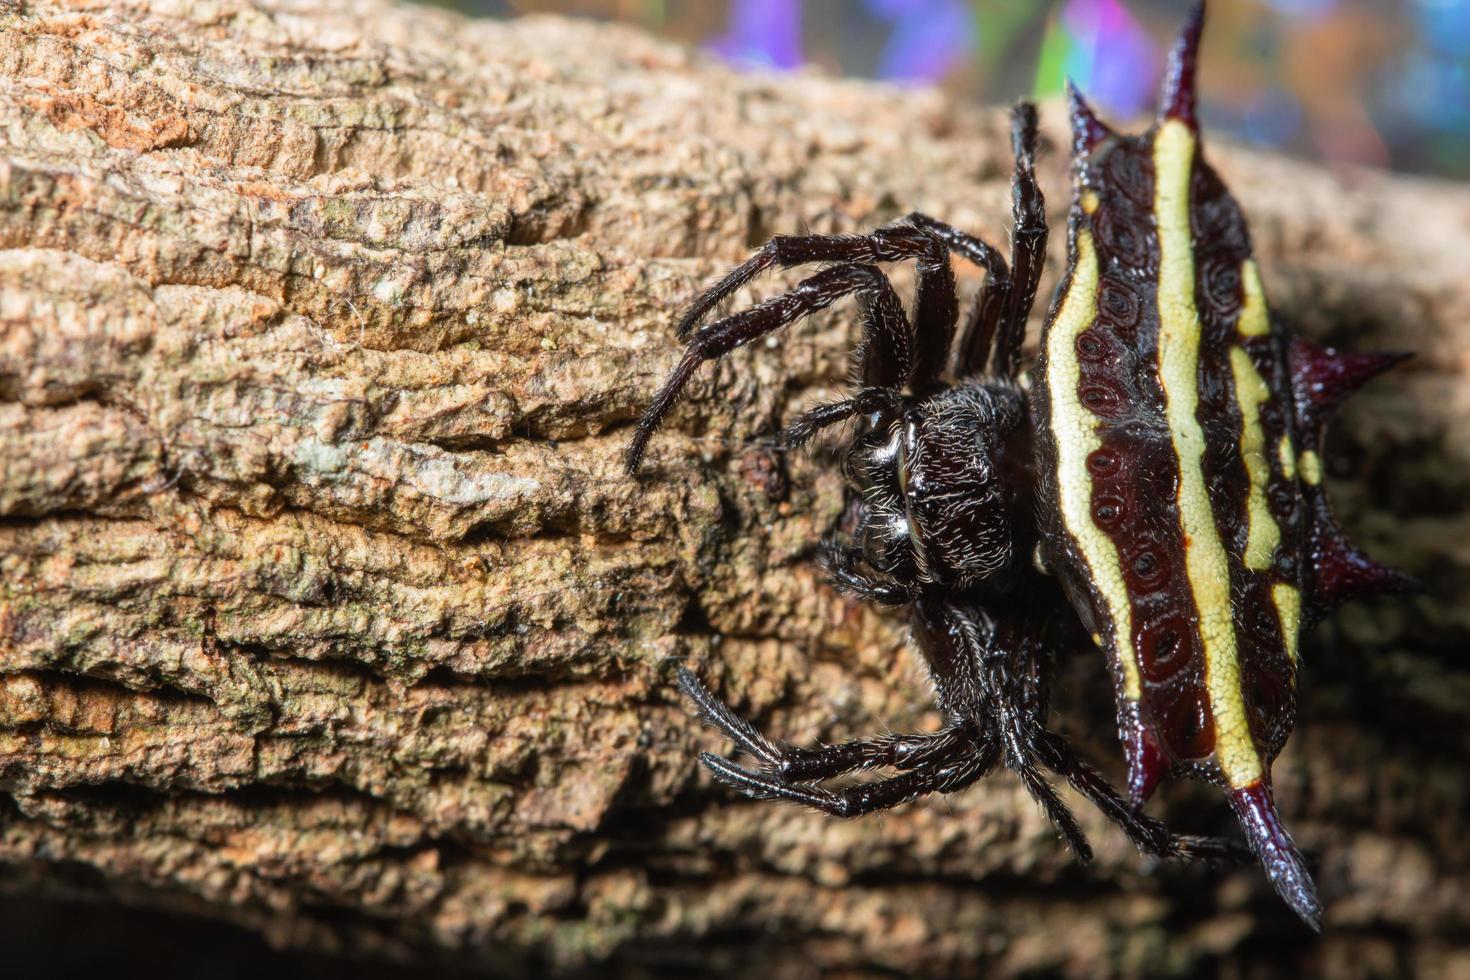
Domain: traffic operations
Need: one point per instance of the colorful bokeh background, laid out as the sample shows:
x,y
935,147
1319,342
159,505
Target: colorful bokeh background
x,y
1376,82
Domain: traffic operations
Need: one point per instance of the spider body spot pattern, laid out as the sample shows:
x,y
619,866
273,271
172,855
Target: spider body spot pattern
x,y
1154,482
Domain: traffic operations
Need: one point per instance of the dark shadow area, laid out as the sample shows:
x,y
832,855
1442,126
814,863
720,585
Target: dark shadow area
x,y
46,938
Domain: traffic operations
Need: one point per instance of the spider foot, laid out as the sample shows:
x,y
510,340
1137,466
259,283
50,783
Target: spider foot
x,y
718,715
1149,835
942,761
856,799
765,787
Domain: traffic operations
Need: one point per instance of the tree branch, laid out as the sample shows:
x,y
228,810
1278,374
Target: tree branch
x,y
325,606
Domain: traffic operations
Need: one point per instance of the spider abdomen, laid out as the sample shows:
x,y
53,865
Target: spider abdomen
x,y
1181,502
1181,525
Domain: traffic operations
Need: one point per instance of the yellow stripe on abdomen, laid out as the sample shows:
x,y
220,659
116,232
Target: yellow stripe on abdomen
x,y
1075,430
1262,532
1287,455
1288,602
1254,320
1310,465
1206,562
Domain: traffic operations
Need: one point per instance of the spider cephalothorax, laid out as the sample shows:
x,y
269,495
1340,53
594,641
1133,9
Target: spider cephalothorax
x,y
1161,467
940,509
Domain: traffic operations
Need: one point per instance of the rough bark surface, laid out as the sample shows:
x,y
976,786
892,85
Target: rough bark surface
x,y
326,609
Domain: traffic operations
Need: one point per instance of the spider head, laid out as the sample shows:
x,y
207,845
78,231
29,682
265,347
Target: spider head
x,y
940,484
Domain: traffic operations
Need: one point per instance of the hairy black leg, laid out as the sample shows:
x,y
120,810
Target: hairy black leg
x,y
974,250
936,308
1056,811
892,243
998,326
976,665
950,641
1017,751
902,752
1028,241
718,715
860,798
1148,835
810,422
1013,674
916,236
789,764
973,349
1008,693
842,569
886,335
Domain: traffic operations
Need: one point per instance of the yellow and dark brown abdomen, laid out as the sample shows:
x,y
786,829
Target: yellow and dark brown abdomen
x,y
1170,461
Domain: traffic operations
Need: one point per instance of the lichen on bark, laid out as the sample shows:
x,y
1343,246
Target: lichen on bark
x,y
326,609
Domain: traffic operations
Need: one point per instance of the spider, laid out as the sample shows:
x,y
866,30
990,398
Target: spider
x,y
1153,480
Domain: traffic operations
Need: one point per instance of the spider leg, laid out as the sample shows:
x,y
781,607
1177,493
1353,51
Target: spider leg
x,y
812,421
975,339
968,765
718,715
916,236
998,326
962,243
892,243
787,764
1148,835
1012,704
885,349
1028,241
1056,811
975,663
842,569
902,752
1000,667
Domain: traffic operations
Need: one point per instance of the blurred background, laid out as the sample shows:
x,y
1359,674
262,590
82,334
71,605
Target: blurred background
x,y
1376,82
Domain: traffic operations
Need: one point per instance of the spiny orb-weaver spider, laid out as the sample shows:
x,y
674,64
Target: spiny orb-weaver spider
x,y
1160,464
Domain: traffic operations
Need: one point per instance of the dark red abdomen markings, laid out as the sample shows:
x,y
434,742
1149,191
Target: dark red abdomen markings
x,y
1223,250
1135,473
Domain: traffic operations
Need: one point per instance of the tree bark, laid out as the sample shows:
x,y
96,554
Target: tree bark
x,y
327,610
